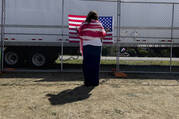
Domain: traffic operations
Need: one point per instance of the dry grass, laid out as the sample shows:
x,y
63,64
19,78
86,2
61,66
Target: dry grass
x,y
62,96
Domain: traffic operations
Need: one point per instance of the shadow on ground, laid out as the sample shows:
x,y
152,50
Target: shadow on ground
x,y
78,76
70,95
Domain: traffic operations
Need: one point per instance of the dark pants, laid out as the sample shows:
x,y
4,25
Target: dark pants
x,y
91,64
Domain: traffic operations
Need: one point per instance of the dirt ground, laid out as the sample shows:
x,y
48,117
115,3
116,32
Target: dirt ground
x,y
62,96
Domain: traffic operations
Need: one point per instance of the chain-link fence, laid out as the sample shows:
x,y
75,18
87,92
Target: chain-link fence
x,y
2,21
39,35
148,26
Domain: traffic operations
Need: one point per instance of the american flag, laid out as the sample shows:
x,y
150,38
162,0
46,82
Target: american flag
x,y
76,20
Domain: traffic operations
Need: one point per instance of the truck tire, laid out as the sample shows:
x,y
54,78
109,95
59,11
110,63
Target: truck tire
x,y
11,58
38,59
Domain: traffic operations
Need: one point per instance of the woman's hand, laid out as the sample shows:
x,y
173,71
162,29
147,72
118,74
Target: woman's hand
x,y
107,30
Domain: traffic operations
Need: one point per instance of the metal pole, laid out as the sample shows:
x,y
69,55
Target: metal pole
x,y
2,33
172,25
118,35
61,59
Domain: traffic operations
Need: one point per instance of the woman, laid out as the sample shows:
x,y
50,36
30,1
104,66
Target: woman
x,y
91,33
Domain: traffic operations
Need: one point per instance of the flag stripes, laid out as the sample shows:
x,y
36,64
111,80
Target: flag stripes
x,y
76,20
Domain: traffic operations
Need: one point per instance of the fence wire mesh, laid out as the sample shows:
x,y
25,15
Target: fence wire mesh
x,y
147,26
145,35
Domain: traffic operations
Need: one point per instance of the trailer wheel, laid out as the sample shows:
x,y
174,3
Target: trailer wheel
x,y
38,59
11,58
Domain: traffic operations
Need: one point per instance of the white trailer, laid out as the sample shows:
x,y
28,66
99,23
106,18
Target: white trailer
x,y
36,30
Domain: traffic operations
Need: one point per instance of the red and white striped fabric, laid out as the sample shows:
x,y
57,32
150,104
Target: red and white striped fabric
x,y
91,34
74,23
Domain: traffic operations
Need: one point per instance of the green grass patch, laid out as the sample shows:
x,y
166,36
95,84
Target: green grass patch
x,y
125,62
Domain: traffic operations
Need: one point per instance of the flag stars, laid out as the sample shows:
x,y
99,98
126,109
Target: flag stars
x,y
106,22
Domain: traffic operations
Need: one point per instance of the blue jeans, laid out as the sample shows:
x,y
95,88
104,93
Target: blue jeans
x,y
91,64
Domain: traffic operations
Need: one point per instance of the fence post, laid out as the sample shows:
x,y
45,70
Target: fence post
x,y
2,34
172,26
118,35
62,32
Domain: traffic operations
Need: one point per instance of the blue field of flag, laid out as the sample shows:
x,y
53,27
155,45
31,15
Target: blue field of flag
x,y
106,22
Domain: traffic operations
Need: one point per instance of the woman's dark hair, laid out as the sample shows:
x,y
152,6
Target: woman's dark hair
x,y
91,15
